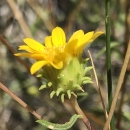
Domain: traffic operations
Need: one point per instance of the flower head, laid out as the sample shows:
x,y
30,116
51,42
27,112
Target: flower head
x,y
61,61
56,50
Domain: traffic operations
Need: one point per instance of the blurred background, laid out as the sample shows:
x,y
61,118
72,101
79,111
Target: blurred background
x,y
36,18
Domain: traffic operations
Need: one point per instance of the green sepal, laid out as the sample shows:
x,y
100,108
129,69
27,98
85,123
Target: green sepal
x,y
68,80
86,82
87,59
69,93
87,69
78,87
85,78
39,75
65,126
52,94
59,90
43,86
49,84
62,97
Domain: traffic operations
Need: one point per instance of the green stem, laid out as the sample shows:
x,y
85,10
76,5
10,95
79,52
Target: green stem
x,y
77,108
108,58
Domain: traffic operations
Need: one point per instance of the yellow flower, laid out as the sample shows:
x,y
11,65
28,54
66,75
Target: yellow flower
x,y
56,51
64,70
76,43
42,54
79,40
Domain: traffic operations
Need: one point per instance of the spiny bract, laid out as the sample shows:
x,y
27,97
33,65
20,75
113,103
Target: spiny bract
x,y
68,80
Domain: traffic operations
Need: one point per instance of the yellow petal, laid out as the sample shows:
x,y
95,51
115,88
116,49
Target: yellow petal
x,y
86,38
60,56
23,54
26,48
58,65
69,48
84,41
58,37
38,56
77,35
48,41
32,55
37,66
36,46
97,34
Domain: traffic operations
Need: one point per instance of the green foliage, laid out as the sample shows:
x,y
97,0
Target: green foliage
x,y
65,126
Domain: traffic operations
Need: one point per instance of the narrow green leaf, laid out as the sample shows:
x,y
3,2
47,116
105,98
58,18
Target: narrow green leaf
x,y
65,126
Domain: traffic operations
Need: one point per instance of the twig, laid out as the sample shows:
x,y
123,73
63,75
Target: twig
x,y
91,116
16,98
75,105
126,40
118,87
98,86
13,52
94,118
2,39
123,90
19,18
42,14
